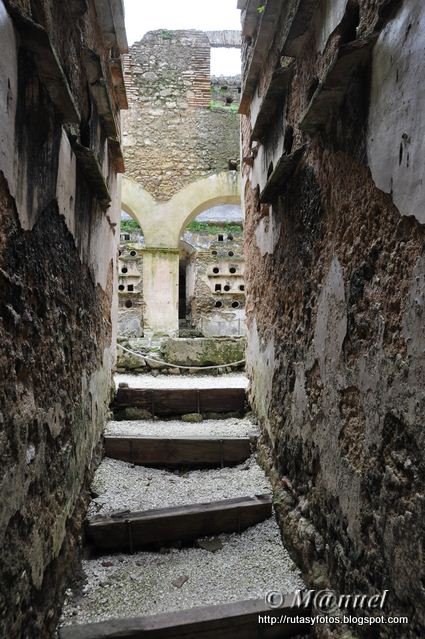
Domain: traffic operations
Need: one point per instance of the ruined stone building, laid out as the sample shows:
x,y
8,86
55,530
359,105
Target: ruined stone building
x,y
214,277
330,273
211,292
181,146
61,91
332,136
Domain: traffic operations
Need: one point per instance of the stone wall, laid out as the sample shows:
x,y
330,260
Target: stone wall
x,y
130,286
335,271
216,290
211,281
59,156
154,356
173,135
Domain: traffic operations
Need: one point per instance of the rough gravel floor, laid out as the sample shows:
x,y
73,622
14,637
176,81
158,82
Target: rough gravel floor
x,y
243,566
231,380
247,566
177,428
121,486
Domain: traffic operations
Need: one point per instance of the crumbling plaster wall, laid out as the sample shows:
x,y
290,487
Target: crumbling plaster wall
x,y
57,270
336,283
171,136
130,287
396,145
217,302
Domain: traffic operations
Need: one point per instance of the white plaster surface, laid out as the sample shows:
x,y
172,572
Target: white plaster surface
x,y
66,182
260,365
161,291
396,136
331,14
331,323
104,239
266,155
267,234
8,97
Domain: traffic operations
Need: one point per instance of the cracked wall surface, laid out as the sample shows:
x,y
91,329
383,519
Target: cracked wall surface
x,y
58,209
334,255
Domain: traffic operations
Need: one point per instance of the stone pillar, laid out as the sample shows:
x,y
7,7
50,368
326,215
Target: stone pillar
x,y
161,290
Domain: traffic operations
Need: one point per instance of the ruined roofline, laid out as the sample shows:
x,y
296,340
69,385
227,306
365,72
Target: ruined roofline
x,y
168,33
226,39
234,80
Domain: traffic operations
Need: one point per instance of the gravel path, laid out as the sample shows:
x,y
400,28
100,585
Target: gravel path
x,y
243,566
247,566
231,380
121,486
178,428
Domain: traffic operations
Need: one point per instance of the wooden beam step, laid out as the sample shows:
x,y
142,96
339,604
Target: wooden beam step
x,y
175,452
242,619
180,401
127,532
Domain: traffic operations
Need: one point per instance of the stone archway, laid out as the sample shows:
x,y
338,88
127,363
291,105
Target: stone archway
x,y
135,200
163,223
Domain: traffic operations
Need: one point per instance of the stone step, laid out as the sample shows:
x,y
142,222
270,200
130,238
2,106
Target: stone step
x,y
192,426
199,452
147,381
241,619
231,552
215,571
127,531
120,486
171,401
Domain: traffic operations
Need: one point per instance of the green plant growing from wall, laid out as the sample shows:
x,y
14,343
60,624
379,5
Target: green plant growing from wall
x,y
261,8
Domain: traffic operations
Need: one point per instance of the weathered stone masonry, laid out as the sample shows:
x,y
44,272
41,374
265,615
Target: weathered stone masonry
x,y
181,145
61,88
171,135
332,136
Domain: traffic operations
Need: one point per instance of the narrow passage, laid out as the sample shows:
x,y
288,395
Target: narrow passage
x,y
240,564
